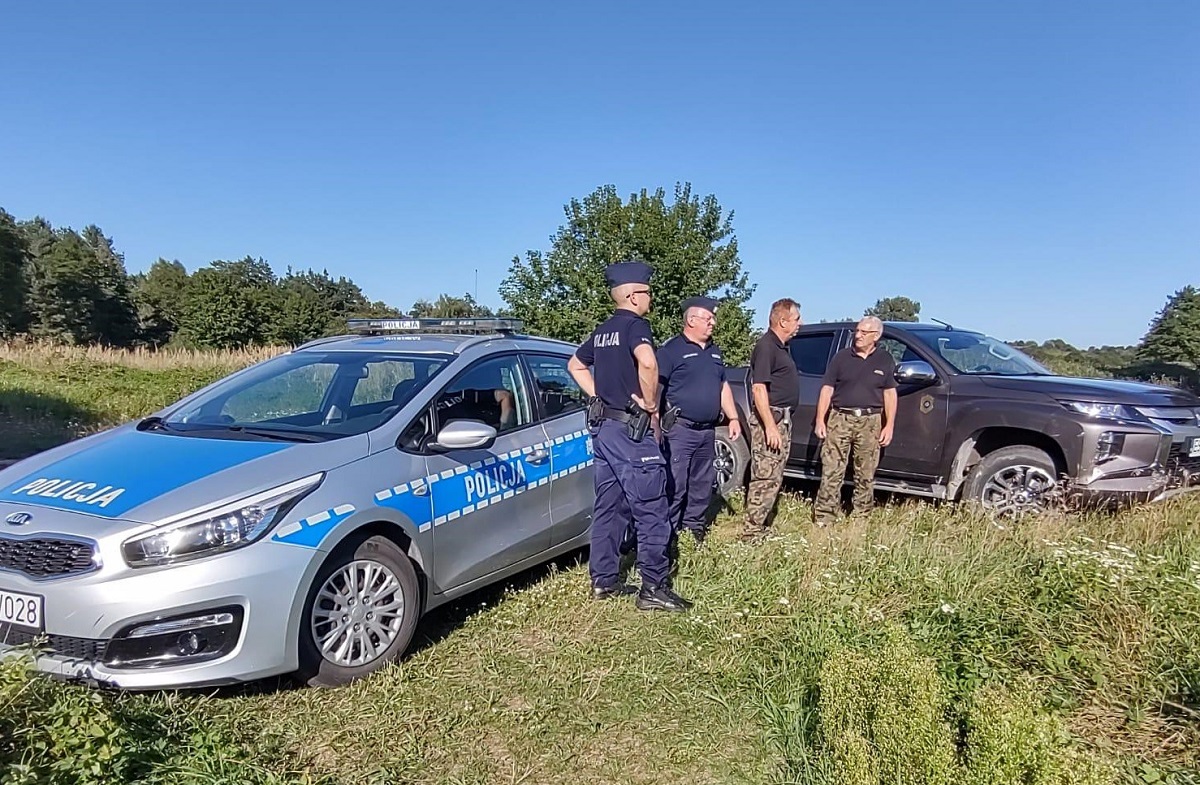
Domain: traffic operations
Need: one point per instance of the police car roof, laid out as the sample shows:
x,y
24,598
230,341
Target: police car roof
x,y
428,343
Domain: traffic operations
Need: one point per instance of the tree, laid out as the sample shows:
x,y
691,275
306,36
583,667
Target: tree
x,y
561,293
230,304
1174,334
114,315
159,296
13,254
449,307
895,309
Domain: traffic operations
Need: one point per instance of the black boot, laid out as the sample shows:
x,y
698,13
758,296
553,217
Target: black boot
x,y
661,598
616,590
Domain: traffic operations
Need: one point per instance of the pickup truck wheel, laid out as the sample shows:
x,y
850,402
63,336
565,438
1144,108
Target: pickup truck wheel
x,y
1012,481
731,460
361,612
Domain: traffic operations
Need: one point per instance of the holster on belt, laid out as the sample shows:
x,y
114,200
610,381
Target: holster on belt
x,y
782,414
669,418
638,422
595,411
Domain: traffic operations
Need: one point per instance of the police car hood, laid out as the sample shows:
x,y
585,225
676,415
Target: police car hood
x,y
144,477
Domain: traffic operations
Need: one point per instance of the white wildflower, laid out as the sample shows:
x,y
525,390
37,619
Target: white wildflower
x,y
947,608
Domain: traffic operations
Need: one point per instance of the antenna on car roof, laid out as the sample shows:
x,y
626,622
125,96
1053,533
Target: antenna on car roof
x,y
939,321
452,326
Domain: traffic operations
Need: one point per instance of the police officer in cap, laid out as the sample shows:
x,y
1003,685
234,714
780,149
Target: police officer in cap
x,y
630,472
695,394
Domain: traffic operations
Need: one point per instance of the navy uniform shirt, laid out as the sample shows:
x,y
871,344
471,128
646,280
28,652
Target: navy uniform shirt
x,y
609,353
691,377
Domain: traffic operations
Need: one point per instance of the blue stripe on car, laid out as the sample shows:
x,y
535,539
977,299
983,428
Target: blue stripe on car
x,y
126,470
310,531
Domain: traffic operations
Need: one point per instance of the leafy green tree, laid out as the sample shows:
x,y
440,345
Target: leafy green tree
x,y
77,289
690,243
12,275
895,309
159,295
447,306
230,304
1174,335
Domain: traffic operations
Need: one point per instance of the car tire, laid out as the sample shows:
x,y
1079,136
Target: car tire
x,y
732,461
1012,481
384,630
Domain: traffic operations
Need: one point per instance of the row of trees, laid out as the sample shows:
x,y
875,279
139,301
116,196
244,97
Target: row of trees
x,y
61,285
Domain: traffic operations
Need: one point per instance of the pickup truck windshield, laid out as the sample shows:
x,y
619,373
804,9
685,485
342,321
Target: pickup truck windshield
x,y
973,353
306,396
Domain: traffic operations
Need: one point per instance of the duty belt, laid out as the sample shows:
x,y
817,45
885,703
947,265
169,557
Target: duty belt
x,y
858,411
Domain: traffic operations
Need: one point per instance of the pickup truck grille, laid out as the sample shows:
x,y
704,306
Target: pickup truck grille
x,y
46,557
1177,459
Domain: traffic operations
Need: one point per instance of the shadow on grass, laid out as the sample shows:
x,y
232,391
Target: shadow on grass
x,y
32,422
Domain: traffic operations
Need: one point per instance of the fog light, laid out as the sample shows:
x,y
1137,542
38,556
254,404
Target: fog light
x,y
1109,445
176,641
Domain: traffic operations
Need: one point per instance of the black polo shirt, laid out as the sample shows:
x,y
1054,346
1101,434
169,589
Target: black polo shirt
x,y
859,382
609,353
771,364
691,377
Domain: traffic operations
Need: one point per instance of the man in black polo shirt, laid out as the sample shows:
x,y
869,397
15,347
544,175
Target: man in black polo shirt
x,y
775,393
860,388
695,394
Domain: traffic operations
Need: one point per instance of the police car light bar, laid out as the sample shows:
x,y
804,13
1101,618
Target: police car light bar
x,y
456,326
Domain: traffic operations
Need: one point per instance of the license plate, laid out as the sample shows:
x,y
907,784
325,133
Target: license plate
x,y
1194,447
21,611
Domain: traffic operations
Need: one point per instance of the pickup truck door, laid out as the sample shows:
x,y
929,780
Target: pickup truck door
x,y
811,352
919,438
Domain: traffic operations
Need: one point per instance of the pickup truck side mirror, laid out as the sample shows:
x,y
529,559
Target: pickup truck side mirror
x,y
915,372
463,435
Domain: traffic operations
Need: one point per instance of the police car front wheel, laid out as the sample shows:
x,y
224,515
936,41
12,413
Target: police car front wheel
x,y
360,613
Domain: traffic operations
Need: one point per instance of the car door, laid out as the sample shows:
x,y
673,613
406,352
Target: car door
x,y
560,403
919,437
491,506
811,352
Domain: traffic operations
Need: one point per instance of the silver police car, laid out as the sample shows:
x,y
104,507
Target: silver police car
x,y
300,515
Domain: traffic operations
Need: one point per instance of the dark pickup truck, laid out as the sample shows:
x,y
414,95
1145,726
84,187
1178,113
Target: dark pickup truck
x,y
979,420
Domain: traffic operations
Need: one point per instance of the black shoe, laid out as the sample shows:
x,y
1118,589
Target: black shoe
x,y
660,598
618,590
699,535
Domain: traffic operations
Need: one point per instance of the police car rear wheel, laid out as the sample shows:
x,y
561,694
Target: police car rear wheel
x,y
361,612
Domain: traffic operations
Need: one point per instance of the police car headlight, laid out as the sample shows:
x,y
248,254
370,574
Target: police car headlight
x,y
193,535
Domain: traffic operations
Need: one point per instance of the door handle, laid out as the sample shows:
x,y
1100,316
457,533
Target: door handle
x,y
537,457
421,490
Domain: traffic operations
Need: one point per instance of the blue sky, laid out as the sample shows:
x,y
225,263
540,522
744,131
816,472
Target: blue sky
x,y
1029,169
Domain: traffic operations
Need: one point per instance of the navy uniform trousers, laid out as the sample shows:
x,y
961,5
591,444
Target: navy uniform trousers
x,y
690,453
631,484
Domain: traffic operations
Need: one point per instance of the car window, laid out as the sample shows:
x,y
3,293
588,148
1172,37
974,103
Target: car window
x,y
294,392
493,392
556,389
811,352
899,350
385,380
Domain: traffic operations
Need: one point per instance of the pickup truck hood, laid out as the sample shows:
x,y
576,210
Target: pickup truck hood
x,y
1098,390
143,477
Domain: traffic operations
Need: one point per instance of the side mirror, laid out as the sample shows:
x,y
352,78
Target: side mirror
x,y
463,435
915,372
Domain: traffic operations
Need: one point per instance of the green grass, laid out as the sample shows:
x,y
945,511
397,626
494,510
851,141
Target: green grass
x,y
923,645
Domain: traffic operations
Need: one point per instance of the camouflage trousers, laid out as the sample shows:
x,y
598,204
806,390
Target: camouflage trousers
x,y
766,474
845,433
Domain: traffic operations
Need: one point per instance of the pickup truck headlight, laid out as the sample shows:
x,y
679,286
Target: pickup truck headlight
x,y
1103,411
194,535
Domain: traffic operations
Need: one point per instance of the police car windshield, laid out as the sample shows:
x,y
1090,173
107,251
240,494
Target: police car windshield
x,y
308,396
973,353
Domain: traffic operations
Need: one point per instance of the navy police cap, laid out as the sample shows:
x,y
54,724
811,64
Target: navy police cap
x,y
707,303
627,272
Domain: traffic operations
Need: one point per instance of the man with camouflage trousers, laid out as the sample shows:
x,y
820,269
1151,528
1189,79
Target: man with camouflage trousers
x,y
858,394
774,395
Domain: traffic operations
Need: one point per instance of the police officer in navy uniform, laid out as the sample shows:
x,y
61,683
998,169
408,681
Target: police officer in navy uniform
x,y
616,367
695,393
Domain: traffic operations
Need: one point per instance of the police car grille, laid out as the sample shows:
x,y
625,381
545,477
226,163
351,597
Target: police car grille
x,y
59,645
43,557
